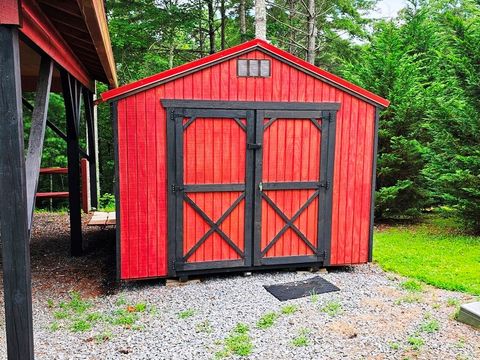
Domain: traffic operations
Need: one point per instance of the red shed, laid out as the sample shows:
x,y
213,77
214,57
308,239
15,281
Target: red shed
x,y
247,158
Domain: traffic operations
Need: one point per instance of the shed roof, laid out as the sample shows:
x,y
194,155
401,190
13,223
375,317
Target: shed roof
x,y
248,46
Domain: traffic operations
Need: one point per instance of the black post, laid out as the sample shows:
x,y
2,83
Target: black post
x,y
13,203
92,151
71,94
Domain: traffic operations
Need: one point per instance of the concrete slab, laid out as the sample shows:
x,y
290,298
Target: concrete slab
x,y
470,314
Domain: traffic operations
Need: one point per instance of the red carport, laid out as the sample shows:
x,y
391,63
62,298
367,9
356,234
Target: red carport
x,y
45,46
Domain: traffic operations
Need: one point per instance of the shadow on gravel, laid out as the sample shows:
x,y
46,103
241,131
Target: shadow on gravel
x,y
55,272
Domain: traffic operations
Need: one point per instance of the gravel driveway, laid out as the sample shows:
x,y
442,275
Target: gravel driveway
x,y
372,317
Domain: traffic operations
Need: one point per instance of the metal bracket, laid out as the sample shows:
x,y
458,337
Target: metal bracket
x,y
322,255
324,184
251,146
177,188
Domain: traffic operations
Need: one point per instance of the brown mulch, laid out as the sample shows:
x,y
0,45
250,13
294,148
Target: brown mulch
x,y
55,272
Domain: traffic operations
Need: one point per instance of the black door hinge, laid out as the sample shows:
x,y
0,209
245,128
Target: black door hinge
x,y
325,185
177,188
322,255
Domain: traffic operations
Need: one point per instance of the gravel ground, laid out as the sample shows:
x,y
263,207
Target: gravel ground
x,y
372,317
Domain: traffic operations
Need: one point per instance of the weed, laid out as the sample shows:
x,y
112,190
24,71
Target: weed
x,y
54,326
454,315
332,308
460,343
140,307
412,286
436,306
237,343
267,320
186,313
103,337
241,328
313,297
80,326
123,318
121,301
204,327
61,314
430,326
394,345
453,302
76,303
50,303
300,340
94,317
416,342
409,299
289,309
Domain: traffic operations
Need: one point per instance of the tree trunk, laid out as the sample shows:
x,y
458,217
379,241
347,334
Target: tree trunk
x,y
260,19
211,26
222,24
291,14
312,32
243,20
201,41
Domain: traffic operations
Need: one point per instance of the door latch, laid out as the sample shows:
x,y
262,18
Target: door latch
x,y
260,187
176,188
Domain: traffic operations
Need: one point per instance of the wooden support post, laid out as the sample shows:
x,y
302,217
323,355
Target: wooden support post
x,y
37,133
13,200
92,145
71,89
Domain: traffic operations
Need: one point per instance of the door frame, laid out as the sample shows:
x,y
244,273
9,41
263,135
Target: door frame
x,y
174,108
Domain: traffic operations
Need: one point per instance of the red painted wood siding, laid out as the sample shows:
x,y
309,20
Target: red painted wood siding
x,y
9,12
142,158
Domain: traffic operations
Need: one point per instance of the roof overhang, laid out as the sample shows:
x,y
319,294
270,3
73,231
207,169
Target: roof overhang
x,y
258,44
74,34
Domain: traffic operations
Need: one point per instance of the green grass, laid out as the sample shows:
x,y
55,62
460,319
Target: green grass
x,y
237,343
302,339
412,286
332,308
185,314
430,327
434,252
289,309
267,320
415,342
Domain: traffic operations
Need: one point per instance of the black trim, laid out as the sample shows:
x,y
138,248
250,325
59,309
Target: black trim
x,y
374,180
171,196
114,114
206,265
213,187
195,106
257,208
294,260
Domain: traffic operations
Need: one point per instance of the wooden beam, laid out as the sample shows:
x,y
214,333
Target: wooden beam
x,y
92,145
71,94
13,200
96,21
10,12
37,133
38,28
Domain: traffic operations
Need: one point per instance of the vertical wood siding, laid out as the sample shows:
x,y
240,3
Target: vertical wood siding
x,y
143,167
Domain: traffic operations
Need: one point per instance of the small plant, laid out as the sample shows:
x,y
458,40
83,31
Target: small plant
x,y
204,327
267,320
412,286
54,326
124,318
332,308
50,303
103,337
460,343
140,307
415,342
454,315
313,297
302,339
289,309
409,299
237,343
453,302
61,314
121,301
394,345
186,313
81,326
436,306
430,326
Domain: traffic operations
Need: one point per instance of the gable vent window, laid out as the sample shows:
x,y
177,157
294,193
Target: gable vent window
x,y
253,68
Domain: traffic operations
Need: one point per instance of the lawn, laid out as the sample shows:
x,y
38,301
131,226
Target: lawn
x,y
435,252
